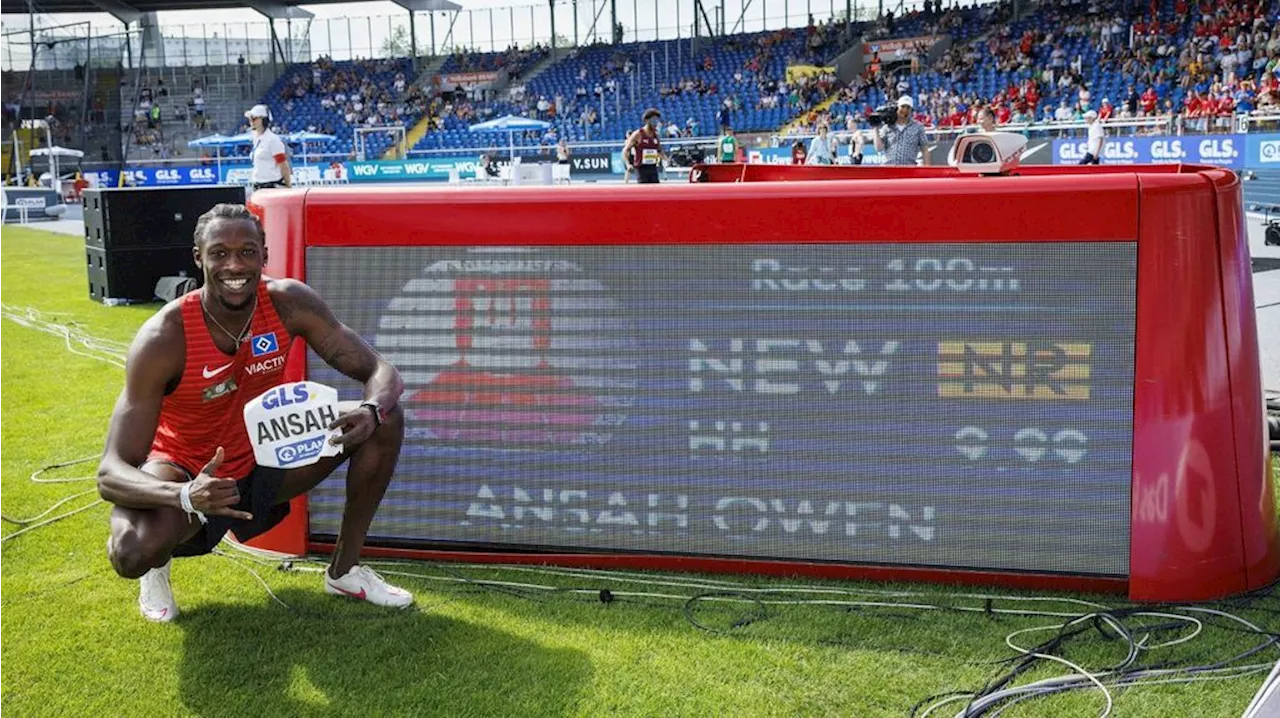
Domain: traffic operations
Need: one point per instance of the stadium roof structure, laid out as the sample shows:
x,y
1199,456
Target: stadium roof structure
x,y
128,11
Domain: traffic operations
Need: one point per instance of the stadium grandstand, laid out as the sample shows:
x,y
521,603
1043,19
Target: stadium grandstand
x,y
144,93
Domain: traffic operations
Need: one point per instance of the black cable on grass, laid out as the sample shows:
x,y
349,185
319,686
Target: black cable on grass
x,y
1124,675
1050,647
758,615
1111,624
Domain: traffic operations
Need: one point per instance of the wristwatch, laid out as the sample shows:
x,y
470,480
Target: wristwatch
x,y
379,416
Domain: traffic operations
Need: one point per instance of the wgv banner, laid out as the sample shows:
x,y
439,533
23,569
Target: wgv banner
x,y
414,170
432,169
1229,151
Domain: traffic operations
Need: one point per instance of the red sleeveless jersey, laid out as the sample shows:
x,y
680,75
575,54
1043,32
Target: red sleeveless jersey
x,y
206,410
647,150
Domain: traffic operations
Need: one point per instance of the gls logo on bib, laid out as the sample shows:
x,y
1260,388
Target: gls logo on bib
x,y
288,425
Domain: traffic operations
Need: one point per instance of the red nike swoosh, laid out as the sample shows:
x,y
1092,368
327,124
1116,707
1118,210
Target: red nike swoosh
x,y
360,595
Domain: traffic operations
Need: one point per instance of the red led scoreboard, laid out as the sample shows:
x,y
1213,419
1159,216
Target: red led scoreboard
x,y
1049,380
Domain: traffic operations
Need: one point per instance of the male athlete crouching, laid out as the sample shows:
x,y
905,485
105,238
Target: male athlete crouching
x,y
179,420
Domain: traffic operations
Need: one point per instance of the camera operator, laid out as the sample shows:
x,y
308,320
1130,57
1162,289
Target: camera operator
x,y
901,141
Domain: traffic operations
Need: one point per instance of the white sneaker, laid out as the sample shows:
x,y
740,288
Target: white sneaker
x,y
365,584
155,597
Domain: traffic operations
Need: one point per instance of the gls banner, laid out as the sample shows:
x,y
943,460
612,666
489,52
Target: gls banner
x,y
1221,150
102,178
169,176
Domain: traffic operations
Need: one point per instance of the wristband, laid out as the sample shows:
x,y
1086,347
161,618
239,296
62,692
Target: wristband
x,y
379,416
184,497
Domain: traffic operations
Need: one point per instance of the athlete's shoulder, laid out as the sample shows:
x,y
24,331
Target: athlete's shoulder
x,y
287,290
164,327
293,301
160,344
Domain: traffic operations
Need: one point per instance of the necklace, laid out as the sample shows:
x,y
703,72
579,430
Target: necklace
x,y
244,334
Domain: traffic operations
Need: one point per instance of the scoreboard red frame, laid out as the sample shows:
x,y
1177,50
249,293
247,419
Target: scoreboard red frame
x,y
1202,510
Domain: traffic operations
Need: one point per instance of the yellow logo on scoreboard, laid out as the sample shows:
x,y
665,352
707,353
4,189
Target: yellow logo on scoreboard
x,y
1014,370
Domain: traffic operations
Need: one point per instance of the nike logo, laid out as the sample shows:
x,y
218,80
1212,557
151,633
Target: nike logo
x,y
352,594
211,374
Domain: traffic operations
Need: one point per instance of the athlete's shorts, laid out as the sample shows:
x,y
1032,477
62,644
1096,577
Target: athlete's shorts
x,y
647,174
258,493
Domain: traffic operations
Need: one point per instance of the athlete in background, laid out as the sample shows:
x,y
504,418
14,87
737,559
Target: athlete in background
x,y
728,146
799,155
643,149
177,452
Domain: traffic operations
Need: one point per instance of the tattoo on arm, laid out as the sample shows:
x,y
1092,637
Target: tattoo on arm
x,y
345,351
306,315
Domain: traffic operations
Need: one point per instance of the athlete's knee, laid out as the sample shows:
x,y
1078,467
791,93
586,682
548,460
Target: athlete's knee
x,y
126,554
133,552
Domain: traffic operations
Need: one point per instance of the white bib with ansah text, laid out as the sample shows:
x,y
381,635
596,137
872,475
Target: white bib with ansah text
x,y
288,425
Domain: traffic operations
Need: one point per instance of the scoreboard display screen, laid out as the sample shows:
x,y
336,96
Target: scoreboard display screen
x,y
942,404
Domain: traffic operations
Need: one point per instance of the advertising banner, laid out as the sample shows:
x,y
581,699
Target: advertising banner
x,y
102,178
1262,151
896,50
782,155
467,78
413,170
169,176
587,163
1221,150
796,73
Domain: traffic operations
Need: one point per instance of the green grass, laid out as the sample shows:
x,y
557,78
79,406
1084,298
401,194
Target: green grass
x,y
74,644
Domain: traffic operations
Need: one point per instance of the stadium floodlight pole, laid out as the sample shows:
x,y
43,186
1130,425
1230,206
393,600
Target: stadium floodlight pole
x,y
413,41
430,7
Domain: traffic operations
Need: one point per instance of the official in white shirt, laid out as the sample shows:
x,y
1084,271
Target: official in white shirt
x,y
270,160
1097,137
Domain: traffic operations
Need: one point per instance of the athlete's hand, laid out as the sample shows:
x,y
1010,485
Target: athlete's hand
x,y
216,495
357,426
